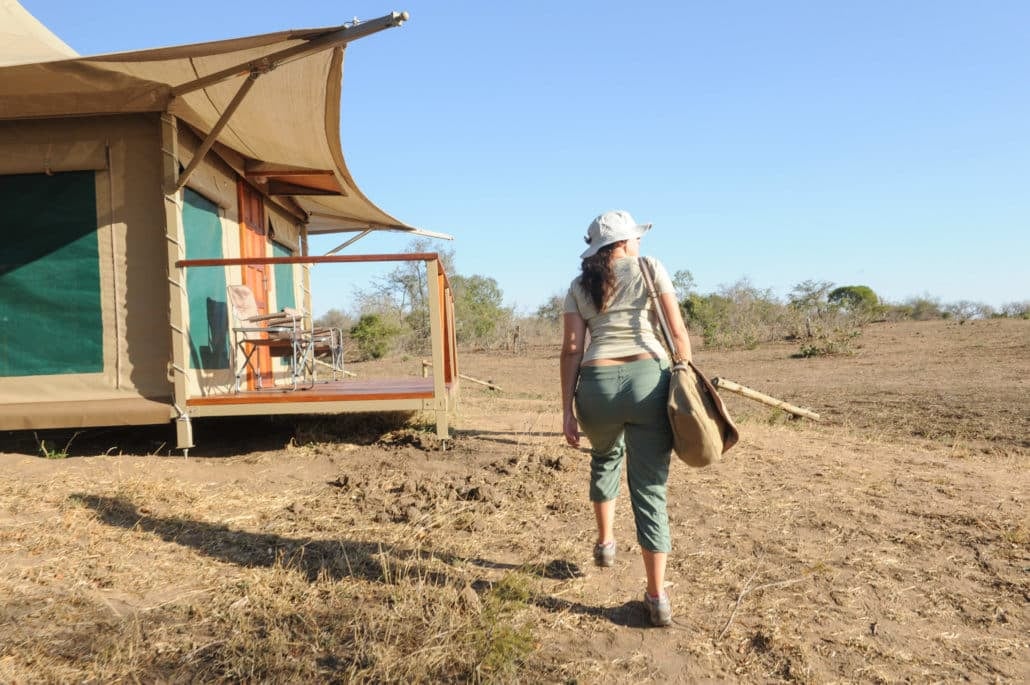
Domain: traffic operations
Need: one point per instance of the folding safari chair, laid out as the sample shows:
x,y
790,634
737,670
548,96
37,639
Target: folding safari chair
x,y
281,333
324,346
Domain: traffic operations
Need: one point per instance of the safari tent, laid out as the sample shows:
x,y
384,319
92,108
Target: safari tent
x,y
138,189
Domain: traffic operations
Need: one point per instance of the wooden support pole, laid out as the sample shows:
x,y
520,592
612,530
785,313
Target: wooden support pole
x,y
723,384
441,398
212,136
178,302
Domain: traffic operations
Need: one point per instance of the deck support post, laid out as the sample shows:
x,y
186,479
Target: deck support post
x,y
178,304
451,340
436,334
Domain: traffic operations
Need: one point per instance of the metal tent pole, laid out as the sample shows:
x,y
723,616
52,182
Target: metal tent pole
x,y
323,42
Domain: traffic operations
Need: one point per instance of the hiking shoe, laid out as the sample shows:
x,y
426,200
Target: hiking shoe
x,y
659,609
604,553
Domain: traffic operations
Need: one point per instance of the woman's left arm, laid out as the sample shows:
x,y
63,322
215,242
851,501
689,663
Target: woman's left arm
x,y
680,338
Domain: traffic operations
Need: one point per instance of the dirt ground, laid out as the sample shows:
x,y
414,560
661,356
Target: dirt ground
x,y
889,542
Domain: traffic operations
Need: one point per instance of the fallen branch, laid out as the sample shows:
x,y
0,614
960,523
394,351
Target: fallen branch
x,y
488,384
747,392
345,372
747,591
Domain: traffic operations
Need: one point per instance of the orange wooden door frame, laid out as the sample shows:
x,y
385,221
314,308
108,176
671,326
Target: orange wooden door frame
x,y
253,243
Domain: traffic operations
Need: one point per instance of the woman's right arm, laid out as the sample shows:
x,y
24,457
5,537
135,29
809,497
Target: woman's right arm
x,y
574,331
674,318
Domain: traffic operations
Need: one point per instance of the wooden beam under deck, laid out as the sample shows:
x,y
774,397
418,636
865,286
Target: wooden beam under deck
x,y
372,394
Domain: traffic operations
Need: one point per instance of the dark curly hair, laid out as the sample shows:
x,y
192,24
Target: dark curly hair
x,y
598,276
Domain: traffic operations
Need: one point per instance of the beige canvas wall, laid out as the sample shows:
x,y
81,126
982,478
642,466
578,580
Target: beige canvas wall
x,y
124,153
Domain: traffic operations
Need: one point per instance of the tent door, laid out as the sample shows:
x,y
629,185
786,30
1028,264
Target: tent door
x,y
253,243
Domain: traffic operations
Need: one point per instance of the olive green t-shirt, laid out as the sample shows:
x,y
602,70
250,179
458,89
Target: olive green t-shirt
x,y
629,324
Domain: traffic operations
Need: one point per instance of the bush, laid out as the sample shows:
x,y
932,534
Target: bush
x,y
826,320
553,310
534,331
964,310
829,320
334,318
708,315
373,335
921,308
838,342
1016,310
739,315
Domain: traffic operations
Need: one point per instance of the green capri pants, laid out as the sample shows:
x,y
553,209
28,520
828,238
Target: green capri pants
x,y
622,409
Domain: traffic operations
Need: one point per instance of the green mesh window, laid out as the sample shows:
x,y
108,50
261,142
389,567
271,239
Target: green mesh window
x,y
50,320
284,296
205,285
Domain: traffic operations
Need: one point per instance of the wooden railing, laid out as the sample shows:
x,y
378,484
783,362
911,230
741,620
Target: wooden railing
x,y
441,301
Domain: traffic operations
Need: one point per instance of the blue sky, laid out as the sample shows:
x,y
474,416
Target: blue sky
x,y
877,143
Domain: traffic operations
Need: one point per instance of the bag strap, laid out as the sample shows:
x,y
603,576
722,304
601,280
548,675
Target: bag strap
x,y
648,271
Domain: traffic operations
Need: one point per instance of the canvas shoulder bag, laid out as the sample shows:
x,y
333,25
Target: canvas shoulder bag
x,y
701,427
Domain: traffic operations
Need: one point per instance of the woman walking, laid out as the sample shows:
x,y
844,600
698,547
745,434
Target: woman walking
x,y
617,386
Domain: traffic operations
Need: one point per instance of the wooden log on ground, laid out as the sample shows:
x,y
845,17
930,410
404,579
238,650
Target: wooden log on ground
x,y
345,372
427,365
486,383
747,392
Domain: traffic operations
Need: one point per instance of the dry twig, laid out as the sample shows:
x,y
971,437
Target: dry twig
x,y
747,591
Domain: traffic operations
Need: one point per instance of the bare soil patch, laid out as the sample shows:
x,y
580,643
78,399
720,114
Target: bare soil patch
x,y
890,542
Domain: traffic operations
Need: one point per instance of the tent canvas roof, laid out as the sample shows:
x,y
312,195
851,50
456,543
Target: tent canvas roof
x,y
286,127
23,39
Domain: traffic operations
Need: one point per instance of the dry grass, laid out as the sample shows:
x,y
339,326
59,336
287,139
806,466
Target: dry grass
x,y
855,550
272,591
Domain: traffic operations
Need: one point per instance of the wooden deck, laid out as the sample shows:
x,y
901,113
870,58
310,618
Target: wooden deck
x,y
436,394
352,395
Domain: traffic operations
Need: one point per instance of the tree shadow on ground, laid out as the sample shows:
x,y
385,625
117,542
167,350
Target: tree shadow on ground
x,y
335,559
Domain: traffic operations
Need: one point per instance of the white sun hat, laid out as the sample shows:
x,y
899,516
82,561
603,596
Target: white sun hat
x,y
611,227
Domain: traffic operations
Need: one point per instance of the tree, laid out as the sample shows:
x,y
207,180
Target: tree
x,y
552,310
478,308
825,322
856,298
809,302
373,334
963,310
810,297
683,282
402,295
858,301
1016,310
333,318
